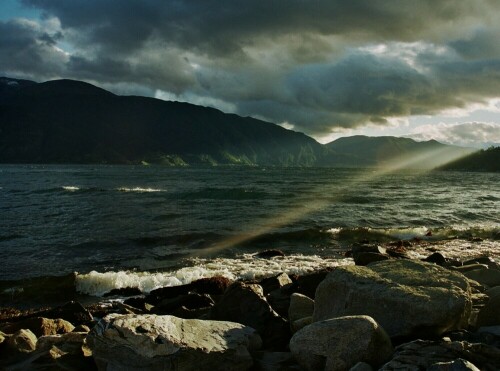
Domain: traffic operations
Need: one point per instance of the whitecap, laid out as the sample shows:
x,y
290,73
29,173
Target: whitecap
x,y
139,189
71,188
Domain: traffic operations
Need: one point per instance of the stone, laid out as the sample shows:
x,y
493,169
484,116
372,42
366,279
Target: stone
x,y
150,342
301,306
489,315
456,365
211,285
365,258
72,312
71,342
369,248
81,328
493,291
470,267
267,254
40,326
488,277
407,298
422,354
487,260
273,361
22,341
340,343
495,330
124,292
169,292
300,324
189,301
245,303
436,258
307,284
361,366
274,283
279,300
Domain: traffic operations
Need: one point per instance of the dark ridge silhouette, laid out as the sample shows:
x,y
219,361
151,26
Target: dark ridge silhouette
x,y
487,160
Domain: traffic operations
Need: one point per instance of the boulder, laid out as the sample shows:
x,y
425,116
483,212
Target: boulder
x,y
72,312
300,324
189,301
245,303
365,258
40,326
422,354
487,260
211,285
273,361
489,277
124,292
489,315
405,297
493,291
22,341
274,283
307,284
340,343
301,306
71,342
279,300
456,365
150,342
361,366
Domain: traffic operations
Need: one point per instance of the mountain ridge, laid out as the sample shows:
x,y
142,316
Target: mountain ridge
x,y
71,121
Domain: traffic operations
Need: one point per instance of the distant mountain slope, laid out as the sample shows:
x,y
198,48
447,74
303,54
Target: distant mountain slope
x,y
483,160
66,121
396,152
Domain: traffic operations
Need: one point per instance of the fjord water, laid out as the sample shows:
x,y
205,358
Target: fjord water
x,y
180,224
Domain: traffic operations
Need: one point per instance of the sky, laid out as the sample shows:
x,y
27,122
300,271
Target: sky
x,y
425,69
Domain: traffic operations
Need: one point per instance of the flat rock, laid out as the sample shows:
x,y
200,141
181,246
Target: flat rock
x,y
149,342
340,343
245,303
405,297
456,365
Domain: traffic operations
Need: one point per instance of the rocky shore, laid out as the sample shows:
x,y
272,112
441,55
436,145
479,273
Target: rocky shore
x,y
385,312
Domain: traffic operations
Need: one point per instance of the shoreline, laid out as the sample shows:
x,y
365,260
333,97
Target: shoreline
x,y
205,300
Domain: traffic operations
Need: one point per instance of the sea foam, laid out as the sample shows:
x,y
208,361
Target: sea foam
x,y
139,189
246,267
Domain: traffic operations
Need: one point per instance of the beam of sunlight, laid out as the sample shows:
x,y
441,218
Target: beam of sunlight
x,y
419,164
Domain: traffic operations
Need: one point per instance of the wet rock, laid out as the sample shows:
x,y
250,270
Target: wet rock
x,y
186,313
407,298
81,328
275,283
340,343
301,306
493,291
269,254
40,326
72,312
170,292
150,342
456,365
279,300
71,342
365,258
489,315
245,303
494,330
486,260
139,303
488,277
189,301
124,292
471,267
211,285
368,248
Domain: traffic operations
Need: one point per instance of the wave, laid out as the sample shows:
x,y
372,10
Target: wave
x,y
245,267
140,189
227,194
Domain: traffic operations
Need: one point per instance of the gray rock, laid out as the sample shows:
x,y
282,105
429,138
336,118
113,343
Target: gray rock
x,y
405,297
470,267
300,324
489,315
300,306
361,366
275,283
421,354
456,365
365,258
245,303
488,277
493,291
340,343
150,342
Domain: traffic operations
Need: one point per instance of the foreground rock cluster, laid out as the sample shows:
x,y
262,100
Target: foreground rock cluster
x,y
386,312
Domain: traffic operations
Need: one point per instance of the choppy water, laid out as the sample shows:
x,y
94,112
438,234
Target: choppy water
x,y
151,226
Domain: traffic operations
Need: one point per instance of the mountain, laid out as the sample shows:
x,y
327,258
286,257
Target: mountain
x,y
483,160
66,121
387,151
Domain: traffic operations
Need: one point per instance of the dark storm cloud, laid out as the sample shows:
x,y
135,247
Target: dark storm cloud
x,y
314,64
